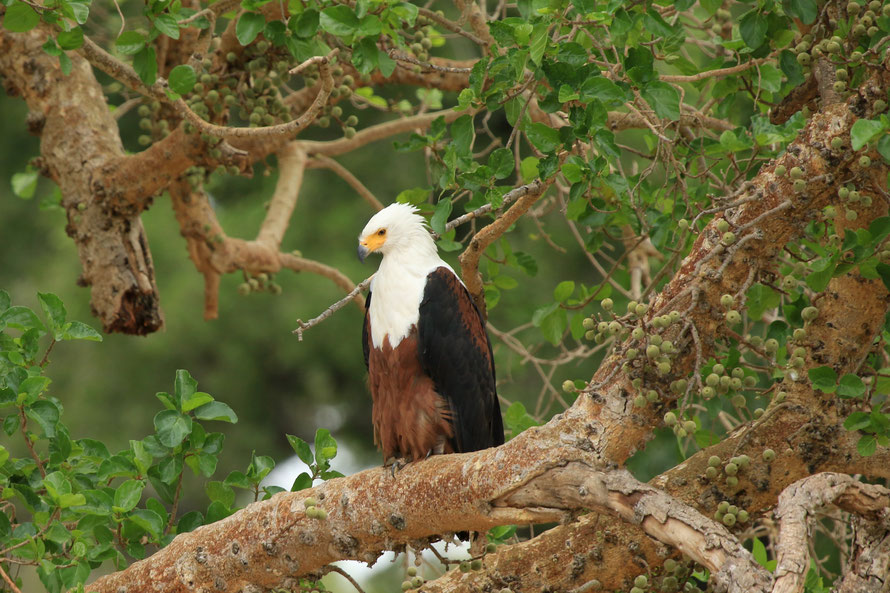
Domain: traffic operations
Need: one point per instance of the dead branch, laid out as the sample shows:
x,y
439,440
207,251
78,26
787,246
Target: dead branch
x,y
797,505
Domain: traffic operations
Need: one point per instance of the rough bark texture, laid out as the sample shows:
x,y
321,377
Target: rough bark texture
x,y
78,139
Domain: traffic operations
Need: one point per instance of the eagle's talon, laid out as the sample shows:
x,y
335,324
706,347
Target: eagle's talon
x,y
395,464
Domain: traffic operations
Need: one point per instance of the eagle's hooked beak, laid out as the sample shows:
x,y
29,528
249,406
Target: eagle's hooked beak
x,y
362,252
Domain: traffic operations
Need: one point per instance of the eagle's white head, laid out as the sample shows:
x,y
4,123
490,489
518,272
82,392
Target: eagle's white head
x,y
397,231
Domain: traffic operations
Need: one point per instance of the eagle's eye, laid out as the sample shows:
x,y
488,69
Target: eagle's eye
x,y
381,232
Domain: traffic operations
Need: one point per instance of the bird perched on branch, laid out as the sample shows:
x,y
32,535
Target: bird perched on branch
x,y
430,367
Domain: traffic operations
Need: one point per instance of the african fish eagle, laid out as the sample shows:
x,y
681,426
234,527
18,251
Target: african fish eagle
x,y
430,367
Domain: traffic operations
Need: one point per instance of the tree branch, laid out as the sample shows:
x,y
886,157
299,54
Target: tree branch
x,y
795,512
112,245
469,259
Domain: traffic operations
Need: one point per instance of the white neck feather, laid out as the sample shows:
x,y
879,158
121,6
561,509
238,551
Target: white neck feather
x,y
397,288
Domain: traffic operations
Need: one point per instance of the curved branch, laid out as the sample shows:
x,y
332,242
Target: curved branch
x,y
469,259
322,161
795,512
291,165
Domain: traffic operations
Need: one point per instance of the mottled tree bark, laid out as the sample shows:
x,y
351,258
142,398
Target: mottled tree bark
x,y
79,138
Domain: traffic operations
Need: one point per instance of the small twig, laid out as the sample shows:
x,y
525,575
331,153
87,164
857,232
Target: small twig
x,y
123,20
9,580
428,65
347,176
49,349
174,506
24,429
675,78
304,325
451,26
221,7
332,568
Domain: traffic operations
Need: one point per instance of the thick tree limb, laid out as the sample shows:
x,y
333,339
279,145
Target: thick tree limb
x,y
112,245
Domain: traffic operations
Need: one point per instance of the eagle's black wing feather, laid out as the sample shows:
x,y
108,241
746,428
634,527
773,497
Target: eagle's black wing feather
x,y
455,351
366,330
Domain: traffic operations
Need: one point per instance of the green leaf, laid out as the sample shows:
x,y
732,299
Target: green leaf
x,y
760,299
600,87
54,311
567,93
79,10
545,138
663,98
501,163
182,79
141,457
305,25
818,280
823,378
189,522
406,12
864,131
517,419
563,290
72,39
23,318
20,18
883,147
260,466
385,63
198,399
172,427
552,321
130,43
184,387
216,411
867,445
538,43
5,301
128,495
148,520
440,216
301,448
882,383
76,330
202,464
72,500
857,421
24,184
850,386
883,271
339,20
46,414
249,26
462,133
220,492
145,62
302,482
753,28
325,447
805,10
